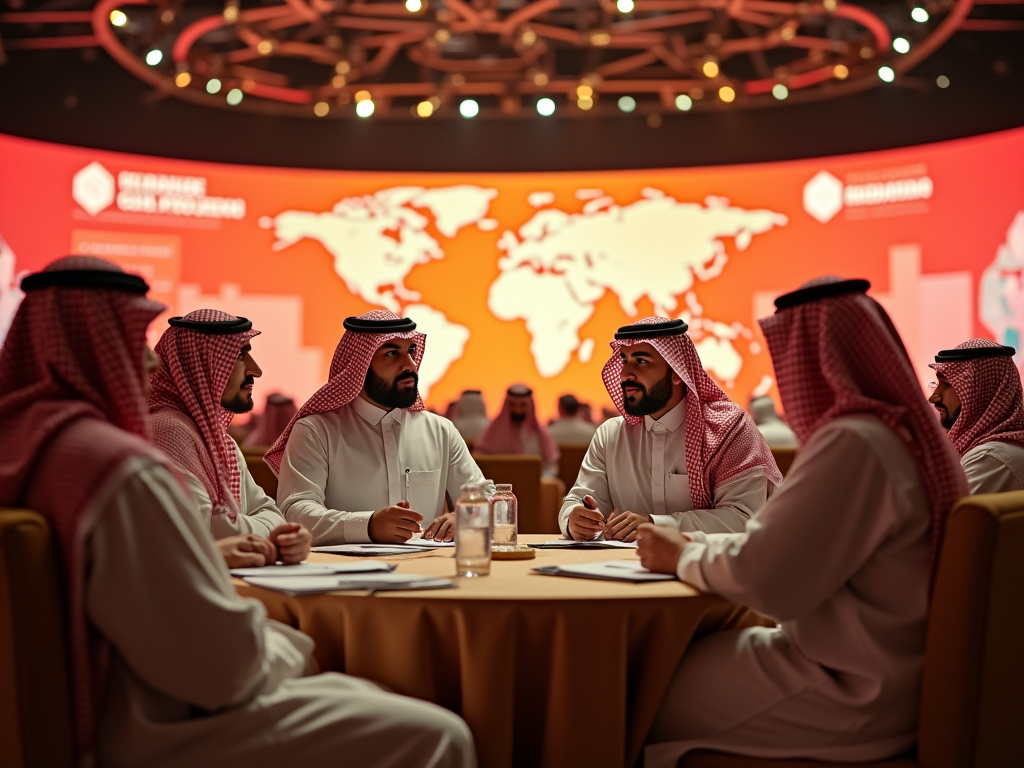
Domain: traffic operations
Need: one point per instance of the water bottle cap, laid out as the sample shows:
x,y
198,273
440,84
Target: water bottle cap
x,y
504,487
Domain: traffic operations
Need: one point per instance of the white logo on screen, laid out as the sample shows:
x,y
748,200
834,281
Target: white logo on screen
x,y
93,188
825,195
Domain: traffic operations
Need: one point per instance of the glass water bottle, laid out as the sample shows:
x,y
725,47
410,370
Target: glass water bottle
x,y
505,513
473,532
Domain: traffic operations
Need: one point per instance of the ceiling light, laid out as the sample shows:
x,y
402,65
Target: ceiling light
x,y
213,86
469,108
625,6
264,47
600,37
901,45
887,74
919,15
541,79
234,97
414,6
727,94
710,68
779,91
321,109
365,107
118,18
424,109
585,102
362,96
546,106
527,37
584,91
342,67
841,71
683,102
942,81
183,79
627,103
231,12
830,5
154,57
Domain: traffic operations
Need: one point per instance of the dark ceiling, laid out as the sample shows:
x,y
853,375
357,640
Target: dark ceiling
x,y
84,98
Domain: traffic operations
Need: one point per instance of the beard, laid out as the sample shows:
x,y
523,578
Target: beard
x,y
387,393
946,419
649,402
518,418
242,401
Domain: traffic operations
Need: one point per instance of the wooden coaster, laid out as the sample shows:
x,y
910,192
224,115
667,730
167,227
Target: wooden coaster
x,y
521,552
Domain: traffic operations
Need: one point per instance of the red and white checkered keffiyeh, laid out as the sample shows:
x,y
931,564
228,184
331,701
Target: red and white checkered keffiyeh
x,y
72,411
189,423
842,356
721,439
506,436
991,401
348,375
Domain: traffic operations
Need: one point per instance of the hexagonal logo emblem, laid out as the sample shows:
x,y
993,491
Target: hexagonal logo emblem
x,y
93,188
823,196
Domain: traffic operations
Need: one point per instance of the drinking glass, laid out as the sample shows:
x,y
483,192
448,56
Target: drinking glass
x,y
472,532
505,513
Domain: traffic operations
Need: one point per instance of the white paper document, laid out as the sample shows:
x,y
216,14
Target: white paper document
x,y
614,570
592,544
376,582
419,541
314,569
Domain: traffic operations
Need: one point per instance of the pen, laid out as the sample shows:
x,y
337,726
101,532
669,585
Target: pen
x,y
405,498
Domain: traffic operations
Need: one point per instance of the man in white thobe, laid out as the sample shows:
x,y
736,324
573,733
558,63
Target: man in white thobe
x,y
169,666
773,429
842,556
206,376
469,415
682,454
363,460
979,400
570,427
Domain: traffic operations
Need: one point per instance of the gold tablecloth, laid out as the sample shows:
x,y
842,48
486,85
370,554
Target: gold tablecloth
x,y
547,671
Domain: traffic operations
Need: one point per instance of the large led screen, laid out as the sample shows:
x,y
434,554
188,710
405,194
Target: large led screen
x,y
525,277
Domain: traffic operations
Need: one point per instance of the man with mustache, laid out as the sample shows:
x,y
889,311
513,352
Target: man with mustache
x,y
363,460
206,376
517,430
980,403
682,454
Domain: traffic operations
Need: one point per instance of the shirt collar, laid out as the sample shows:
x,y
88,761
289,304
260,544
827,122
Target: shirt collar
x,y
671,420
371,414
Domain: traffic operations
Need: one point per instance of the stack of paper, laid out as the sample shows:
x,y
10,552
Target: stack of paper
x,y
614,570
592,544
384,550
375,582
314,569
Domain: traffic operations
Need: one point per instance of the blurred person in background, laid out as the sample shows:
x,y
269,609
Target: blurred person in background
x,y
469,415
517,430
773,429
570,426
279,411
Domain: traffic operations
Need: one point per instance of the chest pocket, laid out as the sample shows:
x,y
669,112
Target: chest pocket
x,y
677,493
424,489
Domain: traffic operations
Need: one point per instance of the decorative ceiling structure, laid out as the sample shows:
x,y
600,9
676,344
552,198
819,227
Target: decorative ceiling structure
x,y
422,59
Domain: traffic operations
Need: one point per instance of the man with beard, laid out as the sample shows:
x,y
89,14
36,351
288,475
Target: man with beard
x,y
517,430
682,454
206,376
363,460
979,400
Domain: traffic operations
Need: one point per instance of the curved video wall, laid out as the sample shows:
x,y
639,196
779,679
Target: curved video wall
x,y
525,277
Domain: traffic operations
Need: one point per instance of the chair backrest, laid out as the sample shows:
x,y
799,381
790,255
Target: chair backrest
x,y
570,461
262,474
972,705
35,681
784,457
524,474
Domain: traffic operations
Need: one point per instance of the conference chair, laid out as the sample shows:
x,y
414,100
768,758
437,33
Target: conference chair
x,y
35,681
972,698
570,461
261,473
524,473
784,457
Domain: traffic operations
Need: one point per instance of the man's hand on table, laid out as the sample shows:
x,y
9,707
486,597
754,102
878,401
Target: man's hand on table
x,y
247,551
659,548
623,527
395,524
585,521
293,543
442,529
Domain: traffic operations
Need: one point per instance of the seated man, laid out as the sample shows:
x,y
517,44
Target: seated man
x,y
570,426
682,454
773,429
842,556
980,403
517,430
207,375
363,460
170,667
469,415
277,414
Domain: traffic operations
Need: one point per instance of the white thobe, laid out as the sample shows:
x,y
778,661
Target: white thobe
x,y
259,514
994,467
341,466
839,557
572,431
778,434
642,468
200,677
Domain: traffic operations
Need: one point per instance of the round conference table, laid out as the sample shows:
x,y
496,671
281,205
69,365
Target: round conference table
x,y
546,670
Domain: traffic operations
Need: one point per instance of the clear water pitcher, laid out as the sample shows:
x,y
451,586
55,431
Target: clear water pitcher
x,y
505,513
473,532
